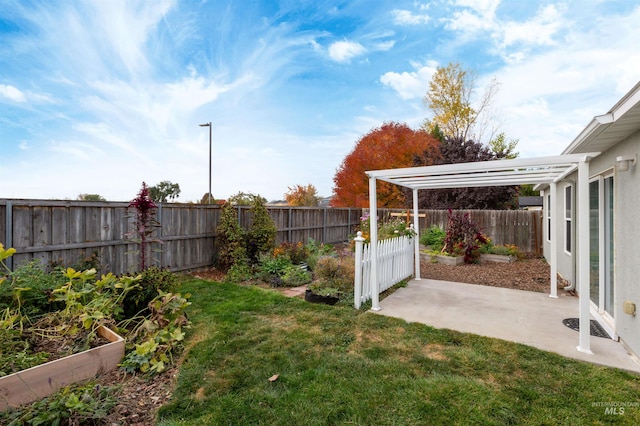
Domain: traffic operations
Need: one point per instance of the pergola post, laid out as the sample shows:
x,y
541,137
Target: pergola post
x,y
584,344
553,264
416,243
373,248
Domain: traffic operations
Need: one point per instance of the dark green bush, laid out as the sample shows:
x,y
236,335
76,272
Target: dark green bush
x,y
230,239
261,237
433,236
272,268
154,280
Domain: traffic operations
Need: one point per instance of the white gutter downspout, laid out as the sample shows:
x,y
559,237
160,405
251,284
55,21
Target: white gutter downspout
x,y
584,344
373,250
416,243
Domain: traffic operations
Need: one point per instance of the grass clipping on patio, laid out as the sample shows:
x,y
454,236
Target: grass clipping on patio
x,y
337,365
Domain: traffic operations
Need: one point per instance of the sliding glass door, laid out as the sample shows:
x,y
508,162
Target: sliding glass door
x,y
601,243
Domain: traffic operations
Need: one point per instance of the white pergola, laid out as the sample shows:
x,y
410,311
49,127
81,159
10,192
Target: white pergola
x,y
540,170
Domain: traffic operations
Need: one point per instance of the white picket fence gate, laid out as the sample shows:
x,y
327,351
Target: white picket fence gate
x,y
395,261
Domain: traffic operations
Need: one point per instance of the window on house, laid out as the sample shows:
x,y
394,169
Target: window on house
x,y
567,218
548,217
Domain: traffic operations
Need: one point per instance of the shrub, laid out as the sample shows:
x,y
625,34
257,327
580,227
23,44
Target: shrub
x,y
261,236
239,272
154,280
229,239
336,273
316,251
272,268
434,236
463,236
296,252
295,275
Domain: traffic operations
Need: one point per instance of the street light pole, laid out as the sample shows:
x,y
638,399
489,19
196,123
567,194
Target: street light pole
x,y
209,193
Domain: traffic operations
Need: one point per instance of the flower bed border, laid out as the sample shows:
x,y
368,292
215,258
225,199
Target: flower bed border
x,y
40,381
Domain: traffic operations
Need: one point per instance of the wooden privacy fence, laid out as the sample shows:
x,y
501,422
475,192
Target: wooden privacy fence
x,y
395,262
522,228
64,232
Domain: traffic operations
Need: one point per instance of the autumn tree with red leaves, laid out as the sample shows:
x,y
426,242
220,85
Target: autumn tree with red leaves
x,y
393,145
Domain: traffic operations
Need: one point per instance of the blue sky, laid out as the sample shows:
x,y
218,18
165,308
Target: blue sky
x,y
98,96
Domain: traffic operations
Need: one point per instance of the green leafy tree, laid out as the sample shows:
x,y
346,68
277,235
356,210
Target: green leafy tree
x,y
243,199
526,190
164,191
302,196
91,197
503,149
450,98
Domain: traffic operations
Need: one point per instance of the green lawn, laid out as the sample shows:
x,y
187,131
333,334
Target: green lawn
x,y
336,365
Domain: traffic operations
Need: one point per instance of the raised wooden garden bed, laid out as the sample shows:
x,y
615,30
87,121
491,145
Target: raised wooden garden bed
x,y
38,382
497,258
446,260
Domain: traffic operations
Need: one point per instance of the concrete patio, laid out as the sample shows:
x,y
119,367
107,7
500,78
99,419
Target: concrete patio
x,y
525,317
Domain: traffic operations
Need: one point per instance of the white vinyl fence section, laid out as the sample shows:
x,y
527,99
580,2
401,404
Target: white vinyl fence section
x,y
395,263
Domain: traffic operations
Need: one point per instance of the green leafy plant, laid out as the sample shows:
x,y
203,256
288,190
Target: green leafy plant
x,y
389,229
295,275
272,268
87,404
152,280
316,250
157,337
502,250
434,236
89,304
239,272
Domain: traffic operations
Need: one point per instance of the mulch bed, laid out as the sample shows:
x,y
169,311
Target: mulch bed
x,y
527,274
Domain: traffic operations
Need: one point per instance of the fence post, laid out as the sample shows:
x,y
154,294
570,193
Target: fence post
x,y
9,231
357,291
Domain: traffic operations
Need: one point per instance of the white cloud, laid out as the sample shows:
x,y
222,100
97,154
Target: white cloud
x,y
384,46
405,17
410,85
539,30
482,7
343,51
11,93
